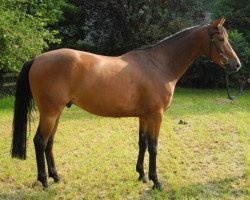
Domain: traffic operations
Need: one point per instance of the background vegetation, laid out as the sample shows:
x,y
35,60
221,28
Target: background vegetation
x,y
113,27
24,30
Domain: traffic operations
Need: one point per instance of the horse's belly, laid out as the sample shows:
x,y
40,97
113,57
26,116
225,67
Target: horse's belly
x,y
107,109
112,101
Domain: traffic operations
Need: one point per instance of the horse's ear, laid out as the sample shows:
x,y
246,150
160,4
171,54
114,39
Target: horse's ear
x,y
222,21
218,22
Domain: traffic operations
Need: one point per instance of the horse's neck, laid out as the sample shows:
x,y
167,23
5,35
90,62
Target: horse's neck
x,y
176,54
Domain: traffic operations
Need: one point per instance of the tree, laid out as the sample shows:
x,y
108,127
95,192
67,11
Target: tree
x,y
71,27
23,30
116,26
237,14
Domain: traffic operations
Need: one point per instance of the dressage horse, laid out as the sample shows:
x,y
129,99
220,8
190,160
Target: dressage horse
x,y
139,84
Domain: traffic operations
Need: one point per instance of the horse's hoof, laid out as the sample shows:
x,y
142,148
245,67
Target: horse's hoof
x,y
45,188
57,179
157,186
38,183
142,179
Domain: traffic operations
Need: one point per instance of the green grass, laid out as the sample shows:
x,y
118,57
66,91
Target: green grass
x,y
208,158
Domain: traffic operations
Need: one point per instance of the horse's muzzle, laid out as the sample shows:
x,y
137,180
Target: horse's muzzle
x,y
232,67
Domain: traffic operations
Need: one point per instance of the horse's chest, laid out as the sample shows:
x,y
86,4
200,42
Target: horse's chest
x,y
158,99
165,96
167,101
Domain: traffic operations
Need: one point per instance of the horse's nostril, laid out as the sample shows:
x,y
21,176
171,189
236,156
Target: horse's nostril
x,y
238,65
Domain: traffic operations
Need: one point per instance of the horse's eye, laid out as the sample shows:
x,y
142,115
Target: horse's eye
x,y
221,39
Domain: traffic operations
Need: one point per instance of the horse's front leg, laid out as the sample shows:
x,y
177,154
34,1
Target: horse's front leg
x,y
153,128
142,148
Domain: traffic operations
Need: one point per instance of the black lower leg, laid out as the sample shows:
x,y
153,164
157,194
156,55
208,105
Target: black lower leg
x,y
152,149
40,148
50,160
142,148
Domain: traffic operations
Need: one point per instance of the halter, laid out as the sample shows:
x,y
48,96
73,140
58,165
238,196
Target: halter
x,y
223,59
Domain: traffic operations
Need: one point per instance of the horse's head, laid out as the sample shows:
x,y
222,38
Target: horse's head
x,y
220,51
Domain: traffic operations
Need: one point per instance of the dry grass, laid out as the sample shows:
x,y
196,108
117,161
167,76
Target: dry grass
x,y
208,157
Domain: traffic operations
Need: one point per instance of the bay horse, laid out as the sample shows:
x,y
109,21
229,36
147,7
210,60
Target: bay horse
x,y
139,84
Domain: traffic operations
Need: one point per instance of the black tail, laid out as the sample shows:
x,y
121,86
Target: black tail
x,y
23,107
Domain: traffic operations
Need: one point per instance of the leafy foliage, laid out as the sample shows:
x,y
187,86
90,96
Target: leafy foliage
x,y
71,28
23,30
241,46
116,26
237,14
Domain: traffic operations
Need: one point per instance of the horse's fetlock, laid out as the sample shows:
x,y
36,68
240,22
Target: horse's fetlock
x,y
152,176
139,167
42,178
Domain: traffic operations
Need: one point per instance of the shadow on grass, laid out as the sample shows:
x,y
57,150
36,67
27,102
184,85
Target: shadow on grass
x,y
35,193
227,188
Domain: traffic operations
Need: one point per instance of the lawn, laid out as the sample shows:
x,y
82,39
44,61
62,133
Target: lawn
x,y
206,157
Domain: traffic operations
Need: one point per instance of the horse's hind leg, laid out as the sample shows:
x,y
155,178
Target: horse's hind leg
x,y
40,145
142,148
43,133
153,128
50,157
